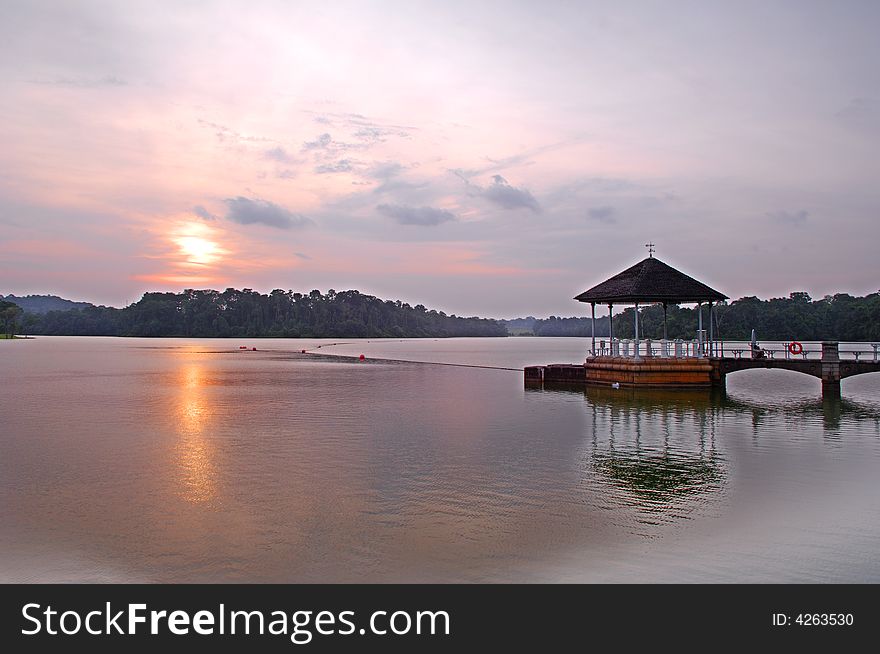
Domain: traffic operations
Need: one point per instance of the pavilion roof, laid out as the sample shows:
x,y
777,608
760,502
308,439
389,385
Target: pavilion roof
x,y
649,281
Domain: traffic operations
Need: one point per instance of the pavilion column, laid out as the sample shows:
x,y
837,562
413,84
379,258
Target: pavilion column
x,y
593,313
610,324
636,353
700,326
664,321
711,330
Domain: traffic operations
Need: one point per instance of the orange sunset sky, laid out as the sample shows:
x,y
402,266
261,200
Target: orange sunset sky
x,y
479,158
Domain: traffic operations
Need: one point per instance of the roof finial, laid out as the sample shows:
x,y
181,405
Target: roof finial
x,y
650,247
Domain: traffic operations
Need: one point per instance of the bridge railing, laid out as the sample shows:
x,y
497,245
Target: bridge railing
x,y
783,350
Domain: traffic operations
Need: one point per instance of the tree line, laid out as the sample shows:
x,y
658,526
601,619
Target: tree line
x,y
350,314
841,317
247,313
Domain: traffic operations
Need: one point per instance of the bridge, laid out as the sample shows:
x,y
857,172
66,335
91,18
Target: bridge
x,y
829,367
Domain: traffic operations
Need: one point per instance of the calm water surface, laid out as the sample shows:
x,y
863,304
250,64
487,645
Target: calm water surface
x,y
181,460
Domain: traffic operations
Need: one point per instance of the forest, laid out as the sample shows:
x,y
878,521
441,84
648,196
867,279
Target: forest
x,y
247,313
351,314
840,317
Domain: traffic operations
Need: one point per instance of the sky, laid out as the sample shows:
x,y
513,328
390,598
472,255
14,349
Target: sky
x,y
480,158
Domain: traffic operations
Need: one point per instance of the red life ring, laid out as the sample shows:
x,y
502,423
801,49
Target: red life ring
x,y
795,348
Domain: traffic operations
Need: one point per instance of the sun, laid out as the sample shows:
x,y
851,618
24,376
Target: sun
x,y
198,249
196,245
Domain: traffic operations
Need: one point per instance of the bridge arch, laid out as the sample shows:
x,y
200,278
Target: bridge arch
x,y
852,368
806,366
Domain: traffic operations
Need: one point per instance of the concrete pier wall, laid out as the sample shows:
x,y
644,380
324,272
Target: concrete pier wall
x,y
605,371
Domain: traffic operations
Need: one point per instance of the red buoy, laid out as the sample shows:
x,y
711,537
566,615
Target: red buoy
x,y
303,351
242,347
253,349
362,357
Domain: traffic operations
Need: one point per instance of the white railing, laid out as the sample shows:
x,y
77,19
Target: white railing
x,y
681,349
664,349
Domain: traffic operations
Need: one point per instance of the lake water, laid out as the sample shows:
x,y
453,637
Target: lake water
x,y
188,460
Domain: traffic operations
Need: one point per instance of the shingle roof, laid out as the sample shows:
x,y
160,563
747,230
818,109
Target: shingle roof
x,y
650,280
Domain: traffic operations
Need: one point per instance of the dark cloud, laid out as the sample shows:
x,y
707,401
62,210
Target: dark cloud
x,y
278,154
301,255
246,211
322,142
388,174
424,216
603,214
341,166
203,213
500,192
509,197
384,170
789,217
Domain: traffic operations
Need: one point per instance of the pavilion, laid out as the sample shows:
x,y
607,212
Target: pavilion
x,y
651,281
694,363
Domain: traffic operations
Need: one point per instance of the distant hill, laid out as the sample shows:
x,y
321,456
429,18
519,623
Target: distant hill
x,y
45,303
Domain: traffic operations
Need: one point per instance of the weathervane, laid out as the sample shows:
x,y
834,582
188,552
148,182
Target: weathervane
x,y
650,247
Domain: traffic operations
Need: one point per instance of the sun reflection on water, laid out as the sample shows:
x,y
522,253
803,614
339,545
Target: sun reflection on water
x,y
194,452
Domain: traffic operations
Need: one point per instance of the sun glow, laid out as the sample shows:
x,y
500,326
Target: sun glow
x,y
194,242
197,249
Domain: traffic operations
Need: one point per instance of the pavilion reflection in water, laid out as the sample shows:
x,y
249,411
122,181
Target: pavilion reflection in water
x,y
655,447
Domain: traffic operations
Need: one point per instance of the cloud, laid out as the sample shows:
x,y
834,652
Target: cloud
x,y
378,134
203,213
384,170
424,216
285,174
225,133
320,143
508,197
245,211
363,127
388,174
278,154
341,166
302,255
789,217
603,214
82,82
521,159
